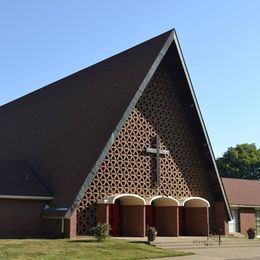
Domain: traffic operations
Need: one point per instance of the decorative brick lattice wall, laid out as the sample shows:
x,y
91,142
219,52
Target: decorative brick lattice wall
x,y
128,168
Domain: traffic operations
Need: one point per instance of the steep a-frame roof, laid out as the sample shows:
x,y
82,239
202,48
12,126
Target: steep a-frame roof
x,y
64,130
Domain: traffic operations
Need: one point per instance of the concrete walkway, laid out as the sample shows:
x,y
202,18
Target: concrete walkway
x,y
235,249
221,254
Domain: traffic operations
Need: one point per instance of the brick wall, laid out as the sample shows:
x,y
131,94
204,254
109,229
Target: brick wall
x,y
52,228
133,220
196,221
166,221
21,218
247,219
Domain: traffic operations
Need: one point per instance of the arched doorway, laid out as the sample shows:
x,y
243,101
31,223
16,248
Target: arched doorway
x,y
194,217
126,215
162,213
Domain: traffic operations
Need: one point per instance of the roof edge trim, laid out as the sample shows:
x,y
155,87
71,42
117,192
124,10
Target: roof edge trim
x,y
201,121
111,140
17,197
244,206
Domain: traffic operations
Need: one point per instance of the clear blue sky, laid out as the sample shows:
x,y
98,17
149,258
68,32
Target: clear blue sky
x,y
42,41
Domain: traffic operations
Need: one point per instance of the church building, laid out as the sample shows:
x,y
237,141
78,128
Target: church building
x,y
121,142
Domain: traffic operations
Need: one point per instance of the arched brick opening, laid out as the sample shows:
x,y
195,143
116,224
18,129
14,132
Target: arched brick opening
x,y
162,213
125,213
194,217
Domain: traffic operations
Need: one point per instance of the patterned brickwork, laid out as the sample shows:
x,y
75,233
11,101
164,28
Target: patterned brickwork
x,y
128,168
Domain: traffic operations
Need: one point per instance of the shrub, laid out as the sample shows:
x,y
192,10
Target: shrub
x,y
100,232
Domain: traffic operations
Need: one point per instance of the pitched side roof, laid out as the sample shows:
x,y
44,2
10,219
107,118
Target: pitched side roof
x,y
242,192
18,181
61,130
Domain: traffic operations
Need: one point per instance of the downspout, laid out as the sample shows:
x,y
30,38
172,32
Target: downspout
x,y
62,226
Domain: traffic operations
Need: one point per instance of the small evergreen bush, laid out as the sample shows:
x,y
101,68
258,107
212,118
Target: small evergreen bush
x,y
100,232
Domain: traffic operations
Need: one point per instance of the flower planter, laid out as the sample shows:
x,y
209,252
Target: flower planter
x,y
151,234
251,232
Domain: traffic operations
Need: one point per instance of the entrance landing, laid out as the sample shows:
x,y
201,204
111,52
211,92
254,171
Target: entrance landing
x,y
168,239
198,242
194,243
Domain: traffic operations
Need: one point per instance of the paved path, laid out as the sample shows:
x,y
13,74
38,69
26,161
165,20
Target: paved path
x,y
228,253
231,248
236,252
252,253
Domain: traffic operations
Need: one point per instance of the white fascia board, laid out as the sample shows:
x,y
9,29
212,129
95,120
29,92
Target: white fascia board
x,y
201,121
16,197
236,206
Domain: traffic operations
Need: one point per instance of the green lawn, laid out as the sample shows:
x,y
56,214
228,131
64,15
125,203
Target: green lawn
x,y
79,249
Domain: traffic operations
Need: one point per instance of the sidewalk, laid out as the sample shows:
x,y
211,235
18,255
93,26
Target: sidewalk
x,y
221,253
230,248
236,252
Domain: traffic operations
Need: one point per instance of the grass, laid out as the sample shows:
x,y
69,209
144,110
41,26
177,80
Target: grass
x,y
80,249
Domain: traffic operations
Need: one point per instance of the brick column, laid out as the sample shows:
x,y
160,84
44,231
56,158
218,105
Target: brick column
x,y
103,213
73,225
247,219
207,222
70,226
178,225
220,217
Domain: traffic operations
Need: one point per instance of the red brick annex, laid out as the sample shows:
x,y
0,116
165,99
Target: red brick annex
x,y
244,201
120,142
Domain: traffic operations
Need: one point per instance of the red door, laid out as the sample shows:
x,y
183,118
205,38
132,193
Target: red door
x,y
181,221
149,216
114,219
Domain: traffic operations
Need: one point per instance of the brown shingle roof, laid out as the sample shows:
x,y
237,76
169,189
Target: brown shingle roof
x,y
16,179
242,192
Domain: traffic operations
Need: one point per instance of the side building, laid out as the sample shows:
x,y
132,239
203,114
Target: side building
x,y
244,199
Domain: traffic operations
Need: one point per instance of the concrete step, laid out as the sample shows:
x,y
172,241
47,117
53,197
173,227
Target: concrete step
x,y
182,244
205,247
211,243
236,234
205,241
238,241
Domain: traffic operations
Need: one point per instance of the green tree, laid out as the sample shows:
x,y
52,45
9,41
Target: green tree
x,y
242,162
